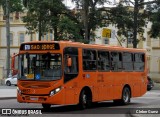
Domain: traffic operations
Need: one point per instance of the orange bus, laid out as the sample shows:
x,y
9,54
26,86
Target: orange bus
x,y
14,64
64,73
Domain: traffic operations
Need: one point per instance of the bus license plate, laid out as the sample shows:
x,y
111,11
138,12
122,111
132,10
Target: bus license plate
x,y
33,98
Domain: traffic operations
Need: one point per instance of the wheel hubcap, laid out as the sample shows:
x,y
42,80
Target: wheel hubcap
x,y
126,96
84,99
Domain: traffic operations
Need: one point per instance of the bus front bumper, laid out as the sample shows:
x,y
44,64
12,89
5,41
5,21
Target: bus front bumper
x,y
54,99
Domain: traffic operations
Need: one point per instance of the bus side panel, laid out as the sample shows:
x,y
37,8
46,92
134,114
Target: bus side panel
x,y
69,93
89,79
136,84
143,88
144,78
117,84
108,85
144,83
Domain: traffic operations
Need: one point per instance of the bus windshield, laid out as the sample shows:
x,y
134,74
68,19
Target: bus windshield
x,y
40,66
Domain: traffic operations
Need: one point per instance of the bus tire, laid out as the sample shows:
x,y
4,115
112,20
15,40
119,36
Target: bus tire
x,y
84,100
125,99
126,96
46,106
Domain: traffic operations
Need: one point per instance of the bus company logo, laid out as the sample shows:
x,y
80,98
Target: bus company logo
x,y
6,112
27,47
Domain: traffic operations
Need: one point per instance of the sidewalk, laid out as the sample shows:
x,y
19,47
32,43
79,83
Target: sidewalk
x,y
8,92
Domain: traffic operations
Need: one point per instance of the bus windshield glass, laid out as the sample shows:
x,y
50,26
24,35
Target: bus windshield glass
x,y
40,66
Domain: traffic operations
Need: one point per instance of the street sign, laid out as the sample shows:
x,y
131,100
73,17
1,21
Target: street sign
x,y
106,33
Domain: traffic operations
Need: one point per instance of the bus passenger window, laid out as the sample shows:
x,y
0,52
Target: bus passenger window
x,y
139,59
70,65
103,61
116,61
89,59
127,61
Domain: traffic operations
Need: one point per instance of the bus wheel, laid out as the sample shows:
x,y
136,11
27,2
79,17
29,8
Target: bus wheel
x,y
83,101
46,106
126,95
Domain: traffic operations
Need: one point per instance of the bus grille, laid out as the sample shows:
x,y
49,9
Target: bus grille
x,y
35,85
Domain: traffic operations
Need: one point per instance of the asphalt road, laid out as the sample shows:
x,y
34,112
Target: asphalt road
x,y
151,98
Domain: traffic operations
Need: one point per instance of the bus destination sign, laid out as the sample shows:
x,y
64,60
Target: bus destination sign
x,y
40,46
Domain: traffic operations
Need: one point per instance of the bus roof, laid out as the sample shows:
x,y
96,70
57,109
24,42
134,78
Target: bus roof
x,y
91,46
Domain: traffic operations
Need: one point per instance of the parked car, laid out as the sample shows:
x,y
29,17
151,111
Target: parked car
x,y
12,80
150,83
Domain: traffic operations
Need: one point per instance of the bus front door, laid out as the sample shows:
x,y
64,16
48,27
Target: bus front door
x,y
69,93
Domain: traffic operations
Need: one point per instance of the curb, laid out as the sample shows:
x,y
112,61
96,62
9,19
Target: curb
x,y
7,98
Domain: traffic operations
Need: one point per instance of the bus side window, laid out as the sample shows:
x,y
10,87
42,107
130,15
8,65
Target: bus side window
x,y
139,59
103,61
89,59
127,61
114,61
120,68
70,63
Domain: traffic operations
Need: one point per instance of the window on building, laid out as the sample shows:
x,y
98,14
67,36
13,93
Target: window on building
x,y
130,37
32,36
51,36
47,37
4,17
148,39
11,38
42,37
21,37
17,15
11,19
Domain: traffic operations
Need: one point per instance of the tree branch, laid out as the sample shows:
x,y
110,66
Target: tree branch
x,y
131,2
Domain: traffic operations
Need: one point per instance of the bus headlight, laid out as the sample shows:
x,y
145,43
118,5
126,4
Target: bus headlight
x,y
53,92
19,91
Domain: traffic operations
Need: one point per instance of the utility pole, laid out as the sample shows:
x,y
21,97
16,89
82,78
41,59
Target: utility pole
x,y
8,37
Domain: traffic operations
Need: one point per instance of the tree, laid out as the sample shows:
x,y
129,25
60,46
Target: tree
x,y
43,16
15,5
129,17
154,11
123,17
137,5
69,30
91,15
